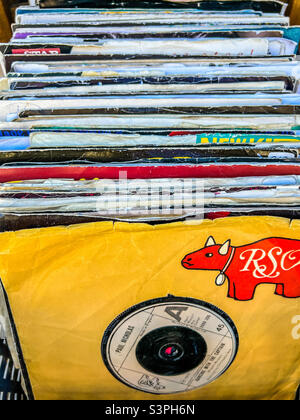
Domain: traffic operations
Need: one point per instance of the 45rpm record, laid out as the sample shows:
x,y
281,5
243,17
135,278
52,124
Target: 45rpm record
x,y
170,345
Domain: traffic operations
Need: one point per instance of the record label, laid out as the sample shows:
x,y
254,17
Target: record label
x,y
170,345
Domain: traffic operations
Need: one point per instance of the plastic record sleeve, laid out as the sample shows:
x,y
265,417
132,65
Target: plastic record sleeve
x,y
170,345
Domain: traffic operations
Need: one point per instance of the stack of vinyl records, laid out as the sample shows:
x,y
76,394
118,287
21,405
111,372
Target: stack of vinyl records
x,y
195,90
150,113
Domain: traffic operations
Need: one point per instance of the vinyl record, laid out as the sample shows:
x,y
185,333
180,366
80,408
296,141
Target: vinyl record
x,y
170,345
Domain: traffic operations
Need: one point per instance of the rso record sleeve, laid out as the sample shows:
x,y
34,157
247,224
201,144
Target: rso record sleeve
x,y
234,333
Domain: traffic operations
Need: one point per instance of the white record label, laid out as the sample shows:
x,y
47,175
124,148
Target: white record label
x,y
170,345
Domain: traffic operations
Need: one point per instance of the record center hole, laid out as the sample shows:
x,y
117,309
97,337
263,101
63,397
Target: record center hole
x,y
171,352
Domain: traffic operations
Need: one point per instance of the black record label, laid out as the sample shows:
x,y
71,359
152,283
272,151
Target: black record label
x,y
170,345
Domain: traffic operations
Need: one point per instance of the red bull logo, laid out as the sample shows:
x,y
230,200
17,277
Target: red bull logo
x,y
272,261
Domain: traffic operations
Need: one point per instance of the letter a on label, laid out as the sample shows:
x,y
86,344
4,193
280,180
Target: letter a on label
x,y
175,311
